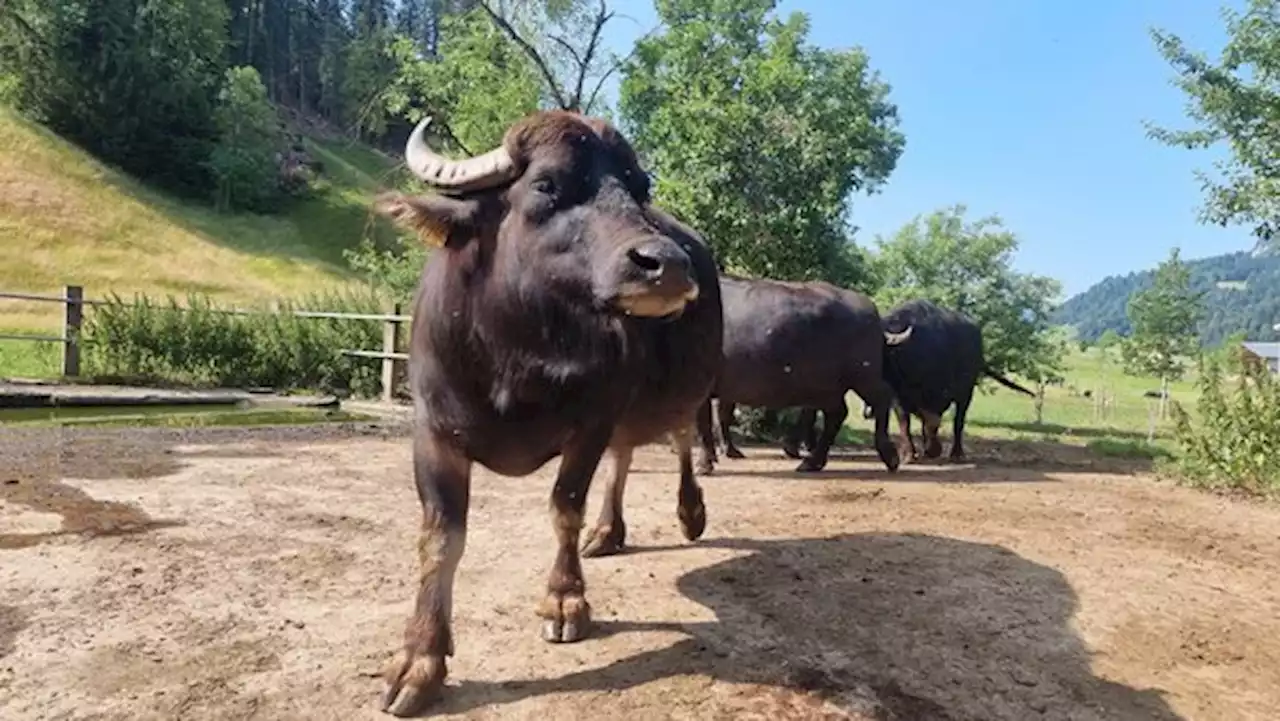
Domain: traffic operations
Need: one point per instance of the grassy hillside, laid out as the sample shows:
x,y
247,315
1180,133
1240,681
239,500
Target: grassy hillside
x,y
67,219
1242,294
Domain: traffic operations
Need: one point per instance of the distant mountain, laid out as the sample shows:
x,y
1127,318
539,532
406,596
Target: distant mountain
x,y
1243,295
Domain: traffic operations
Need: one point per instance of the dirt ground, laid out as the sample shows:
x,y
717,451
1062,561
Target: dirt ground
x,y
219,574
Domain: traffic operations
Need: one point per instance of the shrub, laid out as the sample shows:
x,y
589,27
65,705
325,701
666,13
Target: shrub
x,y
1234,441
244,162
199,344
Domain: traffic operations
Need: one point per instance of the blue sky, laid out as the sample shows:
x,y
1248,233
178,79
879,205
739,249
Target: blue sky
x,y
1032,110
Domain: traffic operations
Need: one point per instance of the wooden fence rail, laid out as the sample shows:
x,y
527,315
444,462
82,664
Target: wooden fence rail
x,y
74,302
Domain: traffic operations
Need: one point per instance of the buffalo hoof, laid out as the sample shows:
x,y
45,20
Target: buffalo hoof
x,y
693,521
957,457
891,460
567,617
791,451
733,452
413,682
704,467
811,465
605,541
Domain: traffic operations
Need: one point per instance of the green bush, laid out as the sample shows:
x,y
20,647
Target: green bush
x,y
1234,441
197,344
249,139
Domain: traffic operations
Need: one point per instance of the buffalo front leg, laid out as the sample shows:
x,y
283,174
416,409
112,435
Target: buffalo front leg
x,y
609,537
832,419
878,395
706,438
932,422
725,411
565,610
443,478
904,430
690,509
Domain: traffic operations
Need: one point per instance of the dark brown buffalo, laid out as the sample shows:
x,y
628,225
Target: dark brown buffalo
x,y
800,344
940,364
563,316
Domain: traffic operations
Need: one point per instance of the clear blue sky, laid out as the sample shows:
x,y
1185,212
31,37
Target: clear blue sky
x,y
1033,110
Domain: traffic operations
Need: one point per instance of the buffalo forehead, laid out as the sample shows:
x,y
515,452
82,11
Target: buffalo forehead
x,y
565,137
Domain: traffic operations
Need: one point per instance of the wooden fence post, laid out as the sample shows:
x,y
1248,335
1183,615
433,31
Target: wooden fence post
x,y
71,330
390,336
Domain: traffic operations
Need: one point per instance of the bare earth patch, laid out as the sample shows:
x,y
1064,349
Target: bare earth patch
x,y
266,574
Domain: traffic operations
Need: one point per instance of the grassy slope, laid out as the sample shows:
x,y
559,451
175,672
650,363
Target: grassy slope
x,y
65,219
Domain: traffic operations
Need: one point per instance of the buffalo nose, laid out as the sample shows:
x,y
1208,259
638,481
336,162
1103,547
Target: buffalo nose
x,y
660,264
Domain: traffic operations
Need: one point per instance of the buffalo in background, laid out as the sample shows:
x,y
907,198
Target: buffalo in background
x,y
799,344
940,364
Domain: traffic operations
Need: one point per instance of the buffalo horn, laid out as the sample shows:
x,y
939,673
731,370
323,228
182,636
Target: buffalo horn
x,y
483,171
897,338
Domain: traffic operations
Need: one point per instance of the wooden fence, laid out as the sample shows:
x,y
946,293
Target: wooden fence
x,y
74,303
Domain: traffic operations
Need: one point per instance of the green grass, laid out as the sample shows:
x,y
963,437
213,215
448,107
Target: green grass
x,y
67,219
29,359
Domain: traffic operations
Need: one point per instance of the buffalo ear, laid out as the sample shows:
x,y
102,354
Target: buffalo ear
x,y
438,220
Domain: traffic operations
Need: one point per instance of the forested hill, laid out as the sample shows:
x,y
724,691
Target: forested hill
x,y
1243,295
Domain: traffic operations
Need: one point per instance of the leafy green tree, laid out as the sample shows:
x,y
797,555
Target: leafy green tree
x,y
1164,318
244,161
967,267
1235,100
474,90
132,81
758,138
478,85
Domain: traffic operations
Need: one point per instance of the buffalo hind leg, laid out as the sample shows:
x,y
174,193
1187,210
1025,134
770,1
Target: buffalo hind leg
x,y
416,675
804,430
690,509
726,429
565,610
706,438
957,426
609,537
832,419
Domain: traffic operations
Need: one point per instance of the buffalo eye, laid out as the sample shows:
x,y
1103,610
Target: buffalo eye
x,y
545,186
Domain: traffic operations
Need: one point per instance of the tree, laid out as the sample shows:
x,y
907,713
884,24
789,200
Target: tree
x,y
1164,318
564,40
1235,100
478,85
967,267
758,138
244,161
132,81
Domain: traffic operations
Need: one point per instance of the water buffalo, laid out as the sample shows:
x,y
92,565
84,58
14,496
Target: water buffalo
x,y
562,316
800,344
938,365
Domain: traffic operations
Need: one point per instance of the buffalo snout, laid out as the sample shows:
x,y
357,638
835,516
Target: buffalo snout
x,y
663,263
655,278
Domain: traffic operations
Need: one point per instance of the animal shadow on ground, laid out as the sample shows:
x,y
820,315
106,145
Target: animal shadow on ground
x,y
893,627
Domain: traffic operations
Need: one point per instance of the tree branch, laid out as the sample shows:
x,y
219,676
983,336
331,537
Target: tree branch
x,y
595,92
529,50
584,64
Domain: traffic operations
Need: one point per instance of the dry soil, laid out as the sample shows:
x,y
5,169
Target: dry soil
x,y
155,574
